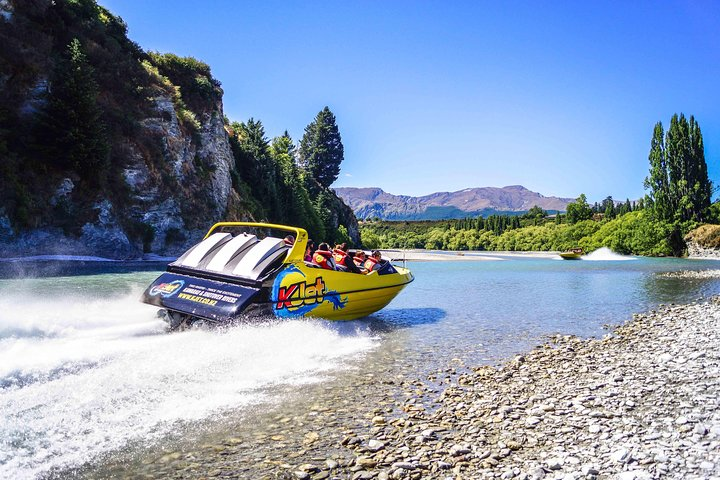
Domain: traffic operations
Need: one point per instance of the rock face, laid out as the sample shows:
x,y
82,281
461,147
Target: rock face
x,y
173,208
374,202
164,170
180,209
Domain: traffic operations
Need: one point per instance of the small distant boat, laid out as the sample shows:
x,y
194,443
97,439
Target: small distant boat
x,y
572,254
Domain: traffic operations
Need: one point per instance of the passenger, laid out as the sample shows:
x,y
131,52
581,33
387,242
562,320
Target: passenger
x,y
373,261
309,250
289,241
359,260
323,257
343,260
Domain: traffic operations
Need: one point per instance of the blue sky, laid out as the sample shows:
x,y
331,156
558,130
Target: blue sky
x,y
560,97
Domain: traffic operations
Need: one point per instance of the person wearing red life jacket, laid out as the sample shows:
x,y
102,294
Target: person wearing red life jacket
x,y
343,260
323,257
373,261
359,260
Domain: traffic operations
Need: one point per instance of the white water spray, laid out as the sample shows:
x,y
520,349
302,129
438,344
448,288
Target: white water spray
x,y
83,376
605,254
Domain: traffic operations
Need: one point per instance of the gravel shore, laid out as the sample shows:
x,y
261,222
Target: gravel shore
x,y
640,403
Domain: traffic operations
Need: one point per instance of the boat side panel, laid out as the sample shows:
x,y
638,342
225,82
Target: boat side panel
x,y
299,290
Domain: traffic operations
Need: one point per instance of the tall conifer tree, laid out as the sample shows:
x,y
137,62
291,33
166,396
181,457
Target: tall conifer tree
x,y
72,125
321,149
678,181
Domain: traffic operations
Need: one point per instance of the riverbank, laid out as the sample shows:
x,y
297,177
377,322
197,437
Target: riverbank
x,y
640,403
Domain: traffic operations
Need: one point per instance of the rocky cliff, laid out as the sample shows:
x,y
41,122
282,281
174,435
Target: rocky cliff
x,y
169,170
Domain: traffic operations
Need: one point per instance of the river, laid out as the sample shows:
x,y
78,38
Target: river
x,y
90,380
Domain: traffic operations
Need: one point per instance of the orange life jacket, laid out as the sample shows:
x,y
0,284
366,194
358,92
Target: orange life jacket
x,y
359,261
370,263
323,258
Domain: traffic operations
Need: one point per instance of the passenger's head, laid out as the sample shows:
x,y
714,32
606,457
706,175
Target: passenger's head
x,y
360,254
289,240
324,247
341,246
377,254
310,245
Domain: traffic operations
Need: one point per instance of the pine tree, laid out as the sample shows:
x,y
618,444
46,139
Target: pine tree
x,y
71,125
300,209
256,168
321,149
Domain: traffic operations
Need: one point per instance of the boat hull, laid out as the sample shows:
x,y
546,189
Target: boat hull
x,y
570,256
302,291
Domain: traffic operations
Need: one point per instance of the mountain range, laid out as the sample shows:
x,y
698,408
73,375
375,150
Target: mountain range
x,y
514,199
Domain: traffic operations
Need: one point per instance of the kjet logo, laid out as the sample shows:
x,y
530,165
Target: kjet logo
x,y
167,289
301,293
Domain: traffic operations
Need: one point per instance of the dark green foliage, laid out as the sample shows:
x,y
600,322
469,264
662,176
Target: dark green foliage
x,y
75,89
71,127
608,207
578,210
299,209
321,149
678,184
270,173
198,88
633,233
255,167
535,213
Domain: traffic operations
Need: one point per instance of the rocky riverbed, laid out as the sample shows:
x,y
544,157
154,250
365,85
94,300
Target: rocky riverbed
x,y
640,403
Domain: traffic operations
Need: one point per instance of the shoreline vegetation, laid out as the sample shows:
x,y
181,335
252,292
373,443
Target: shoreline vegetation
x,y
639,403
633,233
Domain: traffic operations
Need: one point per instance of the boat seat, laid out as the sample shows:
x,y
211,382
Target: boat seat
x,y
260,257
193,257
230,254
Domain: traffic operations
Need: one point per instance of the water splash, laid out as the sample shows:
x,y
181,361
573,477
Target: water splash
x,y
605,254
86,375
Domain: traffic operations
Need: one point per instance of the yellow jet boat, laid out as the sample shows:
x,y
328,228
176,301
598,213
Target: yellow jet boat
x,y
234,275
572,254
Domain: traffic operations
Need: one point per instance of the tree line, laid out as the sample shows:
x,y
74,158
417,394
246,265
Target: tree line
x,y
678,199
291,184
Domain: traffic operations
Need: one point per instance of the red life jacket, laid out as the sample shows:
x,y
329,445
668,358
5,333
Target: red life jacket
x,y
323,258
370,263
359,261
341,257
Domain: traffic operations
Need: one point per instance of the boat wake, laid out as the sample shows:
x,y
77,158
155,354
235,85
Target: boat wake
x,y
605,254
80,377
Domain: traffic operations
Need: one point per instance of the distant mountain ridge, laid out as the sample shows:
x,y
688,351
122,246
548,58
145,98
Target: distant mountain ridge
x,y
374,202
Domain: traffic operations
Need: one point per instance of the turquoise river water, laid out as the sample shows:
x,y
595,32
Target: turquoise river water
x,y
87,371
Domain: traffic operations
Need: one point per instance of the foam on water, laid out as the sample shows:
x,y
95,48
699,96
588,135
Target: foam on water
x,y
605,254
82,377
